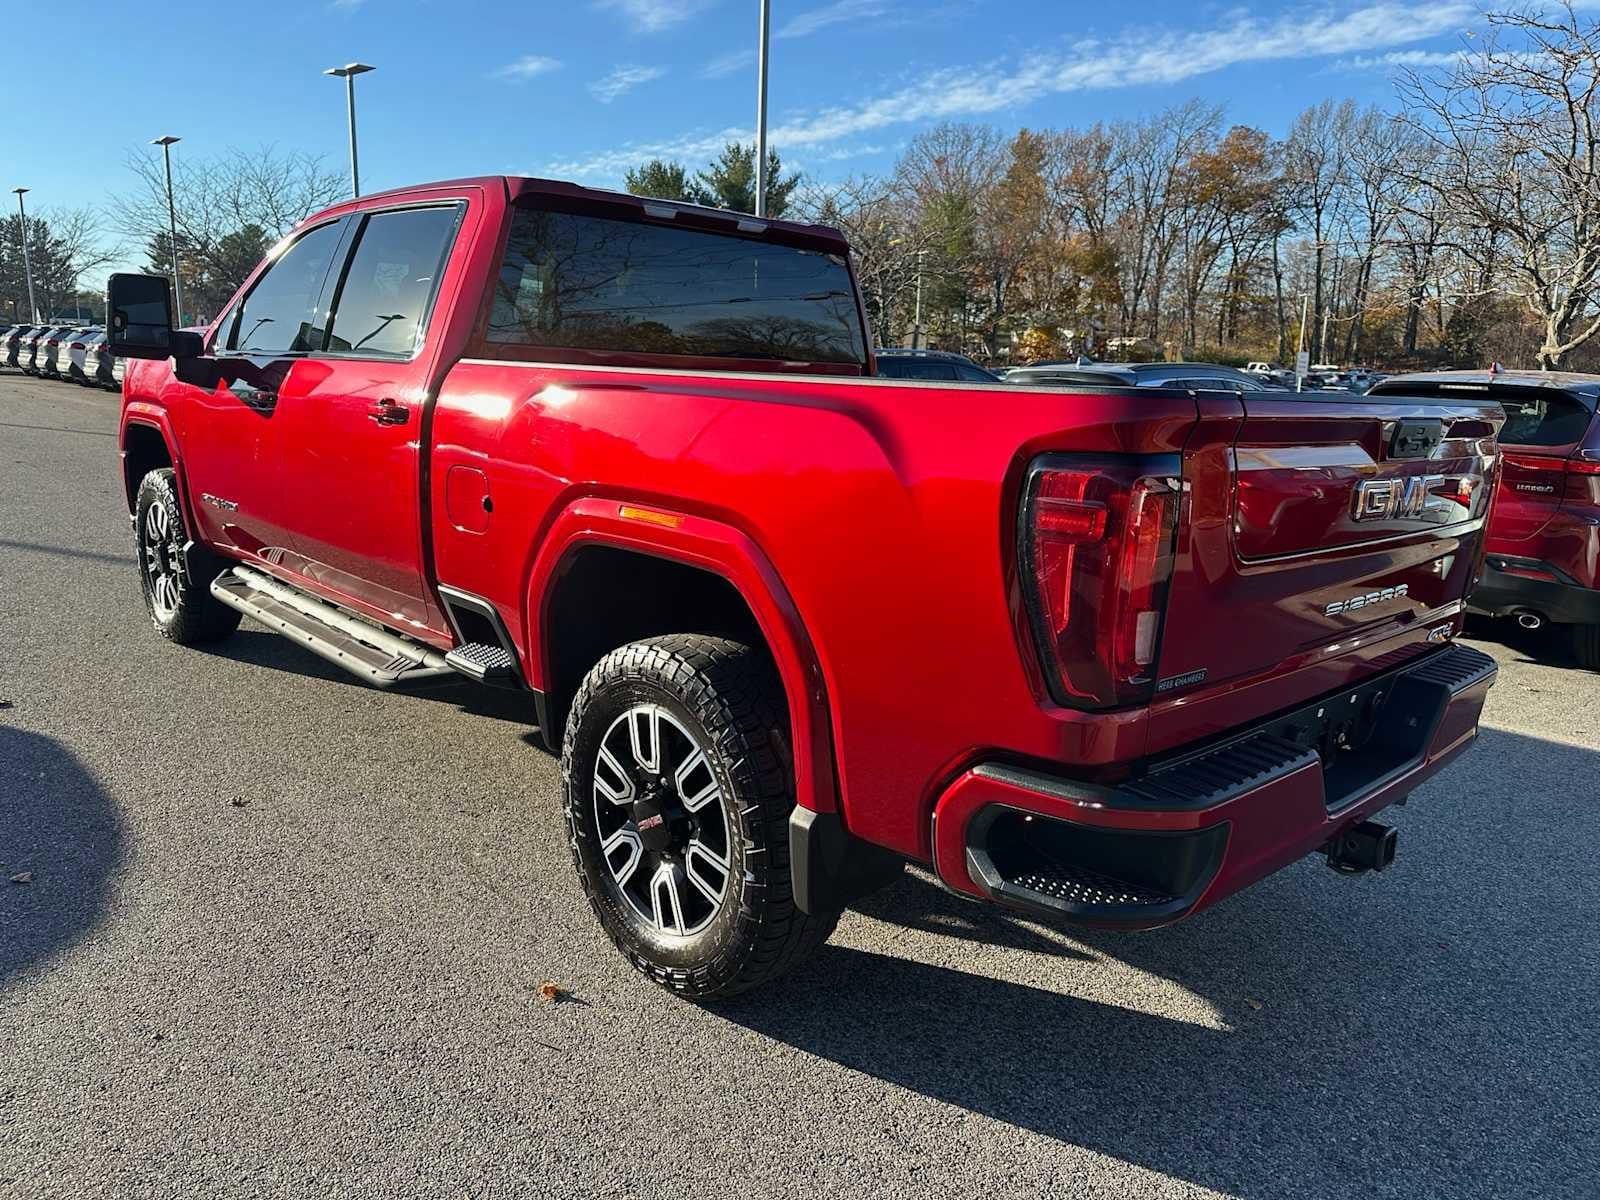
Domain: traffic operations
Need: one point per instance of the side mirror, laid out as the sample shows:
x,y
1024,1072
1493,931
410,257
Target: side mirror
x,y
139,319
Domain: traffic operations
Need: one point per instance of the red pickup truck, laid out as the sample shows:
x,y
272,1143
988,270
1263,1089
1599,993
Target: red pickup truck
x,y
1101,654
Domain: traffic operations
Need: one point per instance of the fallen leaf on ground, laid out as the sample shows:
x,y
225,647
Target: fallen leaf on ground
x,y
240,801
1255,1004
22,877
551,991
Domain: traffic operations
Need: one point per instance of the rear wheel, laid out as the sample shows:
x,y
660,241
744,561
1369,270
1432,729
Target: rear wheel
x,y
1586,646
678,793
177,585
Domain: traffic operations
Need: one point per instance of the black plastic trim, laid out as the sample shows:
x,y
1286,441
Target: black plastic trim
x,y
831,868
453,598
1190,859
1500,594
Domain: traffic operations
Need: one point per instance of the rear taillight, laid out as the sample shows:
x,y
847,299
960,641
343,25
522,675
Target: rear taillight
x,y
1096,545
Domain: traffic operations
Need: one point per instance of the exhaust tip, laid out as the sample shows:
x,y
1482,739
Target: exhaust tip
x,y
1529,620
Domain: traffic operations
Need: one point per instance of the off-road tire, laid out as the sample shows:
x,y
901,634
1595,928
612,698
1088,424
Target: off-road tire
x,y
1586,646
189,613
728,697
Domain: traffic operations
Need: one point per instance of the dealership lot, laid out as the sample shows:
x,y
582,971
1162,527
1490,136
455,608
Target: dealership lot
x,y
283,934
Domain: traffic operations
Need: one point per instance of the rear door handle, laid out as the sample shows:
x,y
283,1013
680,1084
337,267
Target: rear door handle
x,y
389,412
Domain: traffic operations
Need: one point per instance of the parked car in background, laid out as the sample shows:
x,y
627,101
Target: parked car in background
x,y
33,348
101,367
1543,551
11,345
1189,376
931,364
1270,373
74,348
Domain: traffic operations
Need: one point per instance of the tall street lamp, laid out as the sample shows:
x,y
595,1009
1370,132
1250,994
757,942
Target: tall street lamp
x,y
27,265
349,72
172,219
761,110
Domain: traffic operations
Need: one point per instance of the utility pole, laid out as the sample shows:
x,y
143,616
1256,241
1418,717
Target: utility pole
x,y
27,264
761,110
348,73
172,220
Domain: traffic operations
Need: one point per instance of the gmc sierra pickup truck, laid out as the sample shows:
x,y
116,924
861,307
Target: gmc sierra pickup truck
x,y
1097,653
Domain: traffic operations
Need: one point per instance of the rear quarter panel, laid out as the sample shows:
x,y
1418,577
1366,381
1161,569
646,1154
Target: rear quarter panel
x,y
886,509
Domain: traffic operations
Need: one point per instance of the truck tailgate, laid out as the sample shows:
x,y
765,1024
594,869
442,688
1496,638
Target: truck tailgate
x,y
1319,526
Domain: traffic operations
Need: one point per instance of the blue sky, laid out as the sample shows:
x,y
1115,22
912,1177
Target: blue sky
x,y
581,88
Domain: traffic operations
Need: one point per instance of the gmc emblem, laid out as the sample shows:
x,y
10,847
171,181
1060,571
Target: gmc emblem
x,y
1394,499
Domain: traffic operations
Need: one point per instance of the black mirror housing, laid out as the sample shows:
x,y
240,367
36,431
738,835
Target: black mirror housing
x,y
139,319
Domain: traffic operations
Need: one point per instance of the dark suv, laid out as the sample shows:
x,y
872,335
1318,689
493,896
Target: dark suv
x,y
1203,377
1543,551
931,364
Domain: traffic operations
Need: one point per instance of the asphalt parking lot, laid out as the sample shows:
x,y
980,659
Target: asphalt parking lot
x,y
284,935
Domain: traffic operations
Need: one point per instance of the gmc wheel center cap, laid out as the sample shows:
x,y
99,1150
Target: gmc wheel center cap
x,y
655,820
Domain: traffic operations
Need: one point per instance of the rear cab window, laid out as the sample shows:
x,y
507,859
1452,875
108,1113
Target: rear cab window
x,y
576,286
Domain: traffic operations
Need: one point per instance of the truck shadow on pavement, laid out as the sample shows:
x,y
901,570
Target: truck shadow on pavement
x,y
1420,1033
61,835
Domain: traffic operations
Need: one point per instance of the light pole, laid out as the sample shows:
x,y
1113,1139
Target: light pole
x,y
27,264
349,72
761,110
172,219
918,338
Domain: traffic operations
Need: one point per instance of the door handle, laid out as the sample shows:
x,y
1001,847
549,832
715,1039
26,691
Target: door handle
x,y
389,412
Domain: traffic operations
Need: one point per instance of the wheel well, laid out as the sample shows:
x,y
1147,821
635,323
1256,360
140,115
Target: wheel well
x,y
605,597
143,450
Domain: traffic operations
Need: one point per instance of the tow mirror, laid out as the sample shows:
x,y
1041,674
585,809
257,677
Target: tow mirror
x,y
139,319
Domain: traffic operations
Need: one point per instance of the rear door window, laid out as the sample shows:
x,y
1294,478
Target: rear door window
x,y
581,282
383,302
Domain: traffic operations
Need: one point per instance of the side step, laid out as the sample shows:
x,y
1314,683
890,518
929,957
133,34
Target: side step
x,y
382,658
488,664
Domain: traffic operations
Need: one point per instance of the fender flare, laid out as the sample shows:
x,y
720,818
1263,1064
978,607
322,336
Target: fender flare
x,y
720,549
152,416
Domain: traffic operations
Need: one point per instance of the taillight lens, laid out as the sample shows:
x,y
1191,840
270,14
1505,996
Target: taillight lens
x,y
1096,546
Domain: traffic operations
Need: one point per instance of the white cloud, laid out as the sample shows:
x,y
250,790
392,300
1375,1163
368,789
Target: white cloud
x,y
1148,57
836,13
652,16
623,80
1400,58
526,67
738,60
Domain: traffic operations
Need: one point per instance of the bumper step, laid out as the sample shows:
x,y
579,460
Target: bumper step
x,y
379,656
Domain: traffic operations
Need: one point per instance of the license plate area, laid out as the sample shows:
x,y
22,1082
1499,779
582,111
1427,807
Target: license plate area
x,y
1363,735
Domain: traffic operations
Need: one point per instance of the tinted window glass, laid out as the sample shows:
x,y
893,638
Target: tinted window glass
x,y
973,374
915,368
599,284
280,315
1542,417
385,295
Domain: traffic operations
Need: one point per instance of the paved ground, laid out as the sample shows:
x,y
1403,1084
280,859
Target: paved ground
x,y
284,937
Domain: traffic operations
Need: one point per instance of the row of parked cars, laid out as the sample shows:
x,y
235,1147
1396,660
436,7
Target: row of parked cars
x,y
78,353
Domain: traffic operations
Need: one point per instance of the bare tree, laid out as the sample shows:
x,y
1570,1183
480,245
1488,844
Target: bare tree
x,y
1316,161
229,209
1516,155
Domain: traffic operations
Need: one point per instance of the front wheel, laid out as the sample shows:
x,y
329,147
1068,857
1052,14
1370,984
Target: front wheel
x,y
176,583
678,790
